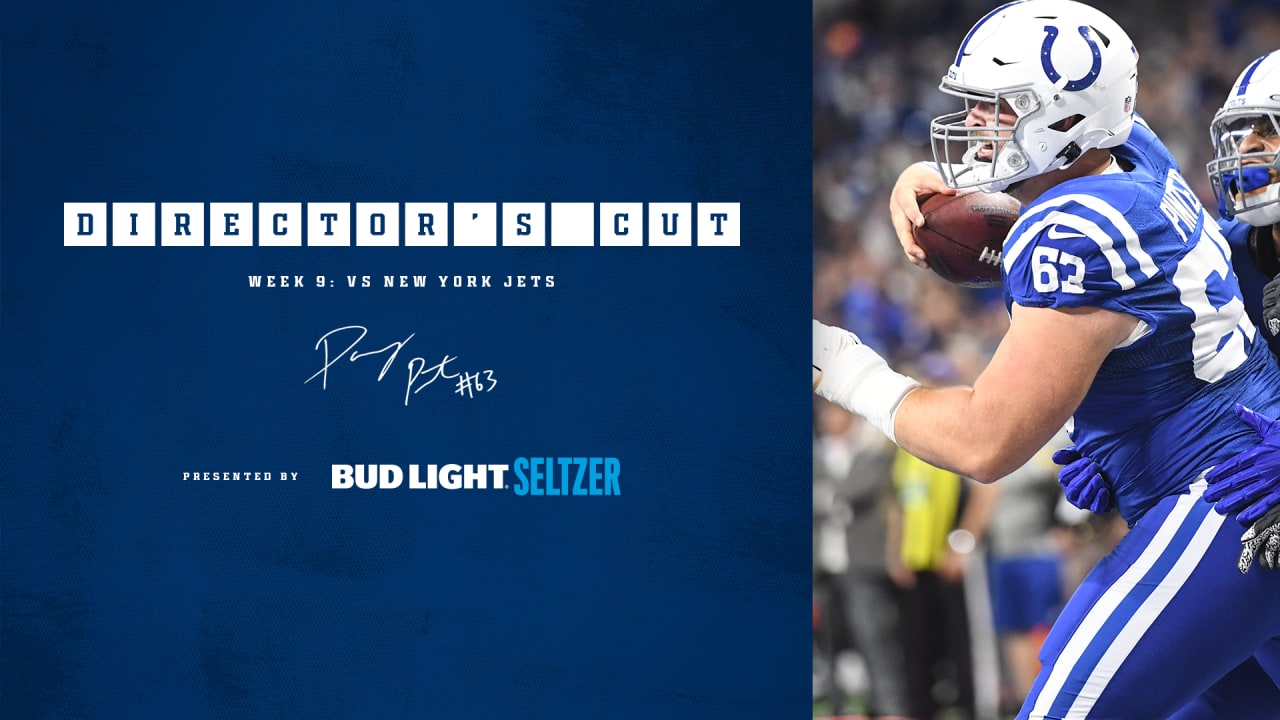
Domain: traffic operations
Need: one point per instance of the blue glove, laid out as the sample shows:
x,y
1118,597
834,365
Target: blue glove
x,y
1249,483
1082,481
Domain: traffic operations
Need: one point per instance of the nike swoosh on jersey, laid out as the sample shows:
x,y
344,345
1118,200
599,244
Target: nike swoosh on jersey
x,y
1053,233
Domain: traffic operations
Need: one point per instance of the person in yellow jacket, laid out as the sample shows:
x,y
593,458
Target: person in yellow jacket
x,y
939,520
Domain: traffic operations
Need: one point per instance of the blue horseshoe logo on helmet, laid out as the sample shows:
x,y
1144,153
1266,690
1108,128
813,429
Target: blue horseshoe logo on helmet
x,y
1050,35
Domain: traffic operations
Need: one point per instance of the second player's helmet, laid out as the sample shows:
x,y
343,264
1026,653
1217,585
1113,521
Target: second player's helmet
x,y
1244,169
1045,61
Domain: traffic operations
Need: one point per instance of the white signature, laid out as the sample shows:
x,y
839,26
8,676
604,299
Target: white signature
x,y
418,373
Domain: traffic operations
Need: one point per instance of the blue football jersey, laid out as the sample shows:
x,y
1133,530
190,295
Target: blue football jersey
x,y
1251,278
1139,242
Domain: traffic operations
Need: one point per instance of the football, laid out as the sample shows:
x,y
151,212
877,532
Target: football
x,y
963,235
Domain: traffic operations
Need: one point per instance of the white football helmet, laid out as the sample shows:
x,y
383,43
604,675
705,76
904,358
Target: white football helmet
x,y
1244,171
1043,61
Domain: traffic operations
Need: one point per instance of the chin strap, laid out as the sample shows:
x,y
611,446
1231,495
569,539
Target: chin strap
x,y
1070,153
1262,204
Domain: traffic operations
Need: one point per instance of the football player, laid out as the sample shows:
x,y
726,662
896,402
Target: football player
x,y
1246,136
1124,315
1245,174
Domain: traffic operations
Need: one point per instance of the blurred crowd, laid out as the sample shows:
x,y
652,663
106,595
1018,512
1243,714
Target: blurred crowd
x,y
883,627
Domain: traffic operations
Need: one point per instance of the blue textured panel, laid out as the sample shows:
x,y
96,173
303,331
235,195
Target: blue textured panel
x,y
129,592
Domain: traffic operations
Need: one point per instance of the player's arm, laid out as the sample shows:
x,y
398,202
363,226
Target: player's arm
x,y
917,181
1035,381
1271,305
1264,248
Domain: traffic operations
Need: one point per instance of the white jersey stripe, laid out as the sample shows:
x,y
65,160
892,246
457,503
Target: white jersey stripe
x,y
1131,241
1106,605
1103,239
1147,613
1089,229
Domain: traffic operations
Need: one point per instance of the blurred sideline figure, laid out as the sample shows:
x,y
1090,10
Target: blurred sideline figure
x,y
939,519
852,487
1026,572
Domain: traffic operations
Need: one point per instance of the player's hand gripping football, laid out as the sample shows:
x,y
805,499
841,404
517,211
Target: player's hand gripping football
x,y
1082,482
917,181
1249,484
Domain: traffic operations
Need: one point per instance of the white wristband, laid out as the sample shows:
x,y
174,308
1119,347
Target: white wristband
x,y
856,378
